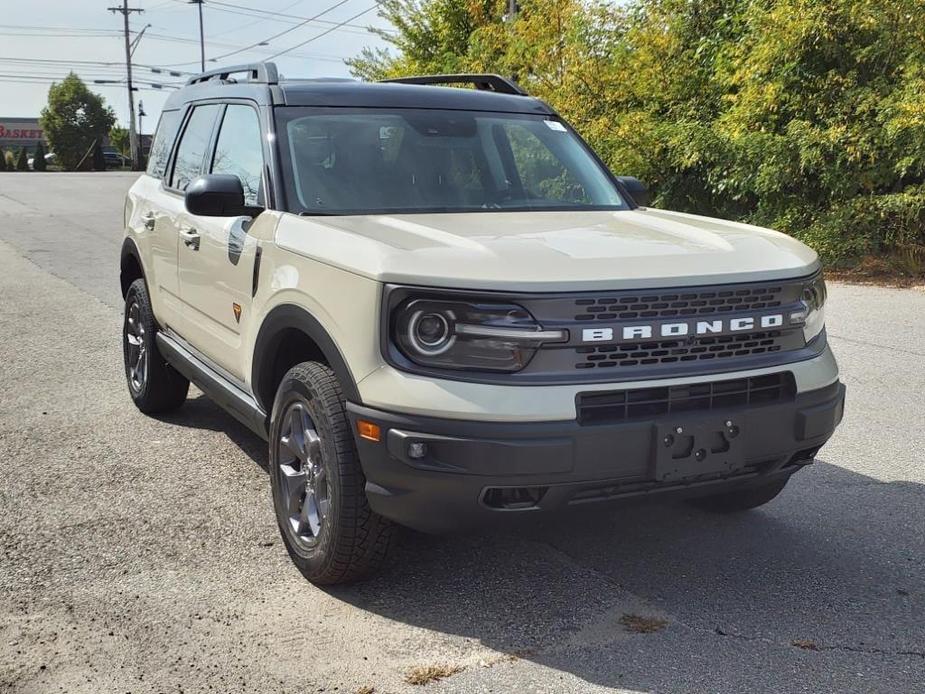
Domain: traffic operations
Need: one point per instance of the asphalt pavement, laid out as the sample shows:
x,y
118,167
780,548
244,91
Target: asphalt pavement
x,y
140,554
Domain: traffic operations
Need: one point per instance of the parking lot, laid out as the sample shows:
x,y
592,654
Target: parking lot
x,y
141,554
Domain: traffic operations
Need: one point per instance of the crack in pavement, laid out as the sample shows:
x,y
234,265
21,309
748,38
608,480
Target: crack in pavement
x,y
867,343
873,650
719,631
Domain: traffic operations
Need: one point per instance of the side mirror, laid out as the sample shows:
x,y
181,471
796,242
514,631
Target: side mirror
x,y
637,190
217,195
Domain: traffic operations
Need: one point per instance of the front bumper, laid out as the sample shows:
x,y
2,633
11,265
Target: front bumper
x,y
476,472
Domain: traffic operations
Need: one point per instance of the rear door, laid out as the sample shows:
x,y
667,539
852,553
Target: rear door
x,y
153,221
217,256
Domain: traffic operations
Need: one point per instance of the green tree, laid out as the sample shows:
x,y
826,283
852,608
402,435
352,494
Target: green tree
x,y
74,118
22,160
38,160
2,160
802,115
118,136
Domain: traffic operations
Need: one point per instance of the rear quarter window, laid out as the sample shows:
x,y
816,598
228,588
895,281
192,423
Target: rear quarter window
x,y
164,136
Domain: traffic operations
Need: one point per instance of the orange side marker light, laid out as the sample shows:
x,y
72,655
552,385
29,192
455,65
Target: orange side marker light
x,y
368,430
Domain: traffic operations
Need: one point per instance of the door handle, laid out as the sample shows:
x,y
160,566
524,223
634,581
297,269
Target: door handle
x,y
148,221
190,237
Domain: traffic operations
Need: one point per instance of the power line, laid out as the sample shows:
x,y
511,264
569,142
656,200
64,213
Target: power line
x,y
21,34
160,6
284,19
216,4
325,32
39,79
250,25
286,31
58,28
85,75
94,63
179,39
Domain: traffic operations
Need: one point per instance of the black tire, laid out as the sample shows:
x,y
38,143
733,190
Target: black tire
x,y
742,500
350,541
160,388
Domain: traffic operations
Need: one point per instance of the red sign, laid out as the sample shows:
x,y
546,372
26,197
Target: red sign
x,y
19,133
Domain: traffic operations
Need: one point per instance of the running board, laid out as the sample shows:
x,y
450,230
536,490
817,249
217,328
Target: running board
x,y
223,392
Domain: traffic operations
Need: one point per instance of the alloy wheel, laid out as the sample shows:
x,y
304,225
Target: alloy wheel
x,y
137,359
305,497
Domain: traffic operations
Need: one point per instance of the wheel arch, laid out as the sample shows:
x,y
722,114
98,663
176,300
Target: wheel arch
x,y
130,265
289,335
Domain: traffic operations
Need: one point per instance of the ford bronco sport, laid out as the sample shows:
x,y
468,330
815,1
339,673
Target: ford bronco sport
x,y
440,308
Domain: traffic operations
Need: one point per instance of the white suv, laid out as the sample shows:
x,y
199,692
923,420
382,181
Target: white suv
x,y
441,309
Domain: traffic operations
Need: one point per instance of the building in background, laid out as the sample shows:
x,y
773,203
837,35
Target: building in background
x,y
20,132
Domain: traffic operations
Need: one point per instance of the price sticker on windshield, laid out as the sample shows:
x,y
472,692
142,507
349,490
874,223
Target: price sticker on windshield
x,y
555,125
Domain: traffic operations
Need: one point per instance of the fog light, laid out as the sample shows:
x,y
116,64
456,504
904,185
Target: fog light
x,y
417,450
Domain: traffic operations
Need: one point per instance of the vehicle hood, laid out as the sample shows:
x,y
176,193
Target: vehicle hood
x,y
543,251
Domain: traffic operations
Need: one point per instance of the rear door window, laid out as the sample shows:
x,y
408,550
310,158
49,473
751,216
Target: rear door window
x,y
164,137
194,143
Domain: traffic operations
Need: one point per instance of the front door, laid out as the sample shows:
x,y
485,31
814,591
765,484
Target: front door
x,y
216,254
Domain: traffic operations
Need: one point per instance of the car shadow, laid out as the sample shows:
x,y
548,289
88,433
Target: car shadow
x,y
199,412
823,589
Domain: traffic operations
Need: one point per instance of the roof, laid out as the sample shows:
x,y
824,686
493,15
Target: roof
x,y
396,95
351,93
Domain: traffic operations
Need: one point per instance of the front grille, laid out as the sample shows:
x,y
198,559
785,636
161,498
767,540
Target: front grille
x,y
645,403
669,304
673,351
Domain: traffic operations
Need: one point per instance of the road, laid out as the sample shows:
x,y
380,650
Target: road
x,y
141,555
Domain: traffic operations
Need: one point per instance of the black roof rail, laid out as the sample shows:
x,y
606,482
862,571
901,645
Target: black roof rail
x,y
262,73
486,82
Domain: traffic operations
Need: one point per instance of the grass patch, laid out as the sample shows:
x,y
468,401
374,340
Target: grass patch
x,y
902,268
425,674
635,624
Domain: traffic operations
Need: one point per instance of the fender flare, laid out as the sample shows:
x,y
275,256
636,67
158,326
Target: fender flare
x,y
130,250
290,316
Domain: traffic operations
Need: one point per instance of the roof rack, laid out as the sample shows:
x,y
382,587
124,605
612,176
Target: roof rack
x,y
485,82
262,73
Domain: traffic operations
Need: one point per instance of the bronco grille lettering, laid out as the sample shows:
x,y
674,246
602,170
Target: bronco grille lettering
x,y
630,333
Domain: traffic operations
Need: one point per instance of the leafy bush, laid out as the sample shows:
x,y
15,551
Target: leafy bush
x,y
38,160
802,115
22,161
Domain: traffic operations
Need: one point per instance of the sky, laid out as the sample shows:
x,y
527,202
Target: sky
x,y
43,40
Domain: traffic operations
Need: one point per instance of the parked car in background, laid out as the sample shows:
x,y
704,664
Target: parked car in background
x,y
113,158
50,158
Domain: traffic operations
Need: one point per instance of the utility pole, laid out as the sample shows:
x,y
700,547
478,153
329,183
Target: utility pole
x,y
125,11
202,41
141,131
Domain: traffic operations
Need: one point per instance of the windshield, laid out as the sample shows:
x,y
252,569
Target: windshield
x,y
364,161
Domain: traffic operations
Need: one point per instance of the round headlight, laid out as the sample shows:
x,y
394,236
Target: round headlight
x,y
430,333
